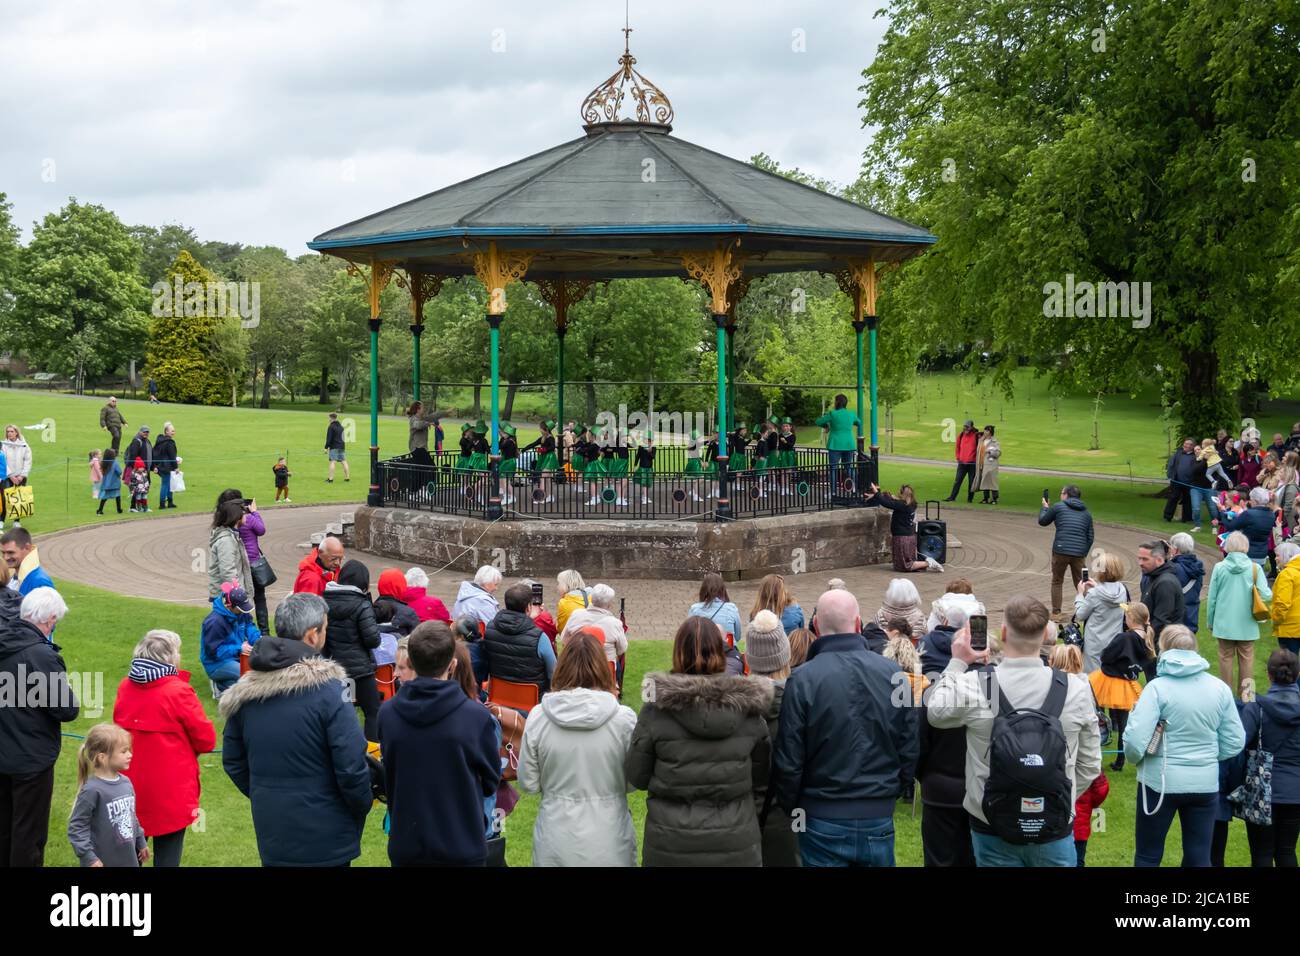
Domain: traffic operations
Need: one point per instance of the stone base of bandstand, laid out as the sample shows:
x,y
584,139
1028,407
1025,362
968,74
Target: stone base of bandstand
x,y
738,550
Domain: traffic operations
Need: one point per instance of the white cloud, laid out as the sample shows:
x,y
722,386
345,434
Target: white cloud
x,y
238,118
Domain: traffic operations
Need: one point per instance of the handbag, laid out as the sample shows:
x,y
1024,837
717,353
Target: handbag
x,y
178,481
263,573
1258,609
1253,800
20,502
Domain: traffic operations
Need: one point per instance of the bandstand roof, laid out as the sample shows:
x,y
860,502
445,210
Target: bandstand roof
x,y
585,209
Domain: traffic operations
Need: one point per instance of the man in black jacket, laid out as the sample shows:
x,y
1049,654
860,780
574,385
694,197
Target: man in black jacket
x,y
1181,471
847,743
514,648
39,700
440,760
1072,542
1162,592
335,447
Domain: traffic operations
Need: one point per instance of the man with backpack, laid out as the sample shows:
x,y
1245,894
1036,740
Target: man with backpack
x,y
1031,742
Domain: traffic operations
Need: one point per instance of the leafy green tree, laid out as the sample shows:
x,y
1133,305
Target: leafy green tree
x,y
80,307
191,353
1117,142
9,252
336,332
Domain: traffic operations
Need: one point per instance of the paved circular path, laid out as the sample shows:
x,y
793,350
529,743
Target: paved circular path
x,y
1001,553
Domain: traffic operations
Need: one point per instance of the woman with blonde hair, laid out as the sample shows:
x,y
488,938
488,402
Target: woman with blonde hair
x,y
1099,604
903,652
800,642
574,594
773,596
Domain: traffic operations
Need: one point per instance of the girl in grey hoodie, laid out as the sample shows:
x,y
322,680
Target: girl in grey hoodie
x,y
1100,605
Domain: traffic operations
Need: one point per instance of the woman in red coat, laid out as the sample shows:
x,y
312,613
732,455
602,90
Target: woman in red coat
x,y
169,729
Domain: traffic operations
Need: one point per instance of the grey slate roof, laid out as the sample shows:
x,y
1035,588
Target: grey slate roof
x,y
590,191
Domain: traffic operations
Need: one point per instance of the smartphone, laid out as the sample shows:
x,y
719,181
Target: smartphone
x,y
979,632
248,502
1046,497
1083,575
537,593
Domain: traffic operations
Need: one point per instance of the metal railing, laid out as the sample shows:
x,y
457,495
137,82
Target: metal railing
x,y
813,484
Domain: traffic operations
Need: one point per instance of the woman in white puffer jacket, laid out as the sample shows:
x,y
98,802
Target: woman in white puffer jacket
x,y
572,753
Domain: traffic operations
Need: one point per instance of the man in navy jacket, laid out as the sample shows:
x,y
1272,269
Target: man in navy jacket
x,y
847,743
441,760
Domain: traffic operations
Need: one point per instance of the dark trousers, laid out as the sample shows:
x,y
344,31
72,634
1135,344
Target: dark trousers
x,y
1195,817
1219,843
259,606
1181,495
117,437
367,699
1118,721
25,817
1275,845
945,836
167,848
1081,851
965,472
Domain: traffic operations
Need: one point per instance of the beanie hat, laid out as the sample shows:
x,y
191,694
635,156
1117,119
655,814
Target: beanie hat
x,y
766,646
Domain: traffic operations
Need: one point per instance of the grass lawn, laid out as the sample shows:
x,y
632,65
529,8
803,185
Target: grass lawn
x,y
99,633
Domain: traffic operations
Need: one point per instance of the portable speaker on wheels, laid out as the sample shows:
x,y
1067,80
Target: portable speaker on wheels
x,y
932,535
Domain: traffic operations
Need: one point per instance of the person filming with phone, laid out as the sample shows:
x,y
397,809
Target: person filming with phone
x,y
1073,541
1022,774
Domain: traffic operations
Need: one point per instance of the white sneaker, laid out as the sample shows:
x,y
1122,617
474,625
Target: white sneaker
x,y
288,501
1196,529
695,496
645,500
593,501
621,502
932,565
549,499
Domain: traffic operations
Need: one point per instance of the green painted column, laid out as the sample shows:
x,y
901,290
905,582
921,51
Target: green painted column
x,y
858,326
724,510
872,322
416,331
560,332
375,498
494,459
731,375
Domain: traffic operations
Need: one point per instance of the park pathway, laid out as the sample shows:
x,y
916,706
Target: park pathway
x,y
163,558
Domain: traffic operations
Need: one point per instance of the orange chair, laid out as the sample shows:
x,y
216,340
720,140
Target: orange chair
x,y
522,697
386,681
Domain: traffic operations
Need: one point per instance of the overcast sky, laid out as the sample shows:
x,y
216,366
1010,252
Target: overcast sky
x,y
271,122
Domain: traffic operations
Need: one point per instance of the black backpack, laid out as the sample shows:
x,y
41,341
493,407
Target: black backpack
x,y
1028,795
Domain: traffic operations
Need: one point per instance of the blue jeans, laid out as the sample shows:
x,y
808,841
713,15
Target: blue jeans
x,y
224,674
1203,495
994,851
867,842
1195,816
839,458
165,495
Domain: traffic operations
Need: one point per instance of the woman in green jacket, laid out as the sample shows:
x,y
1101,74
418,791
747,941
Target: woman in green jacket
x,y
1228,613
839,424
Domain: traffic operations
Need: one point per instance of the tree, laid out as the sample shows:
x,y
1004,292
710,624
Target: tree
x,y
193,353
9,252
286,293
337,329
1125,142
80,307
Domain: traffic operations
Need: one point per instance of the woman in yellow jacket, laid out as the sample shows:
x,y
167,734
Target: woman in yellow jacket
x,y
574,594
1286,597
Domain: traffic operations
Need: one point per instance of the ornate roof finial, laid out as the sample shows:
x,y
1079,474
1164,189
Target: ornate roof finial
x,y
605,102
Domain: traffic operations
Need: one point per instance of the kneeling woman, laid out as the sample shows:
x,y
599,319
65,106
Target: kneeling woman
x,y
902,528
700,749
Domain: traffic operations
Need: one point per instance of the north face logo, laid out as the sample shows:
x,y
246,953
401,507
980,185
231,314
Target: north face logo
x,y
1031,760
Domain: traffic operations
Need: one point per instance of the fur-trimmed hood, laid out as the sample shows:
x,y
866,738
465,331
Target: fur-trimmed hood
x,y
711,705
307,672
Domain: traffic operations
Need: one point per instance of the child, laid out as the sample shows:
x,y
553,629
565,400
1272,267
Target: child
x,y
110,484
1123,660
1068,658
282,474
139,486
1213,463
103,828
386,652
902,652
645,468
96,474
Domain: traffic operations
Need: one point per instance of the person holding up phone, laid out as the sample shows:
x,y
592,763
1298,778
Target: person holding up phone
x,y
902,528
1072,542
